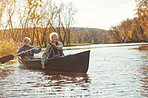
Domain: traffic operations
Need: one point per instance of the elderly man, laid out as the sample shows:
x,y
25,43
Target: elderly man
x,y
53,49
30,54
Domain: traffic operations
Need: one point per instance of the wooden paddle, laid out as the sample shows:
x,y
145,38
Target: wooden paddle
x,y
10,57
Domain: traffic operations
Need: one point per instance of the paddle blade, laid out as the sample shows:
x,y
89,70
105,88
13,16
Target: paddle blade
x,y
6,58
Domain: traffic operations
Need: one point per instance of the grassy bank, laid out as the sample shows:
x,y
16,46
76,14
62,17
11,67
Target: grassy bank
x,y
8,47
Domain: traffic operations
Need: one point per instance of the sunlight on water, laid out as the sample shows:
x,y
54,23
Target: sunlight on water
x,y
115,70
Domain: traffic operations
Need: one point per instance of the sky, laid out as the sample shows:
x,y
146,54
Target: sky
x,y
102,14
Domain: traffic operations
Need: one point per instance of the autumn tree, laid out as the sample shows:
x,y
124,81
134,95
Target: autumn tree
x,y
79,36
3,4
115,34
142,12
63,21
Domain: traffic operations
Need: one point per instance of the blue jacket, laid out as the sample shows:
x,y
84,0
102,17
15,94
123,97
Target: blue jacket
x,y
27,48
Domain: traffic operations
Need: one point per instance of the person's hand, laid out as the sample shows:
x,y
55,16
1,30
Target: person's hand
x,y
23,52
53,44
41,46
43,66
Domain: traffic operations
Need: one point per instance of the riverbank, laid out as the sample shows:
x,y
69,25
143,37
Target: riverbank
x,y
143,48
8,47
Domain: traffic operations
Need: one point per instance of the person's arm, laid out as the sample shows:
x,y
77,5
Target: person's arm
x,y
37,50
59,46
45,54
20,50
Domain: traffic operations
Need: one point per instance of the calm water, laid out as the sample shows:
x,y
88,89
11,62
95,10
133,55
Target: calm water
x,y
115,70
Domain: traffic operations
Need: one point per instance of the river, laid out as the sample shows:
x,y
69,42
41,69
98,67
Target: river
x,y
115,71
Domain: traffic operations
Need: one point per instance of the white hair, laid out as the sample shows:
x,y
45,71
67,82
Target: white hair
x,y
53,34
27,38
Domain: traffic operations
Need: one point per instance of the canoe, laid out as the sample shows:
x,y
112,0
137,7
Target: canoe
x,y
75,63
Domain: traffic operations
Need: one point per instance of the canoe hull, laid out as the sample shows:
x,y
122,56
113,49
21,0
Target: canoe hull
x,y
76,63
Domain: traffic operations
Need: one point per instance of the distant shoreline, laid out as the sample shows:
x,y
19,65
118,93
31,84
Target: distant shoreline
x,y
80,44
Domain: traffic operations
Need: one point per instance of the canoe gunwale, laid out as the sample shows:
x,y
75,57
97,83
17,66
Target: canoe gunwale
x,y
39,59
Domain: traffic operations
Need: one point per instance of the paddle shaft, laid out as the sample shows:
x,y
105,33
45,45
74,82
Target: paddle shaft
x,y
27,50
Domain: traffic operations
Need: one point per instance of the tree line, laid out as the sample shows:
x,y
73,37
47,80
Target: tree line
x,y
38,18
128,31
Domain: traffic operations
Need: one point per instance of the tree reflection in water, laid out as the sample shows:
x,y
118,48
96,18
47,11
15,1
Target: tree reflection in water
x,y
143,74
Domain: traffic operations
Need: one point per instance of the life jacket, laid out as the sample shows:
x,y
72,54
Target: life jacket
x,y
29,53
55,51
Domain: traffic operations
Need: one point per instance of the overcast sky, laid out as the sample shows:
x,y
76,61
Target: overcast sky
x,y
102,13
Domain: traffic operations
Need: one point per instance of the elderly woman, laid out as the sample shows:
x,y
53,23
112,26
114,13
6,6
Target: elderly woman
x,y
53,49
30,54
